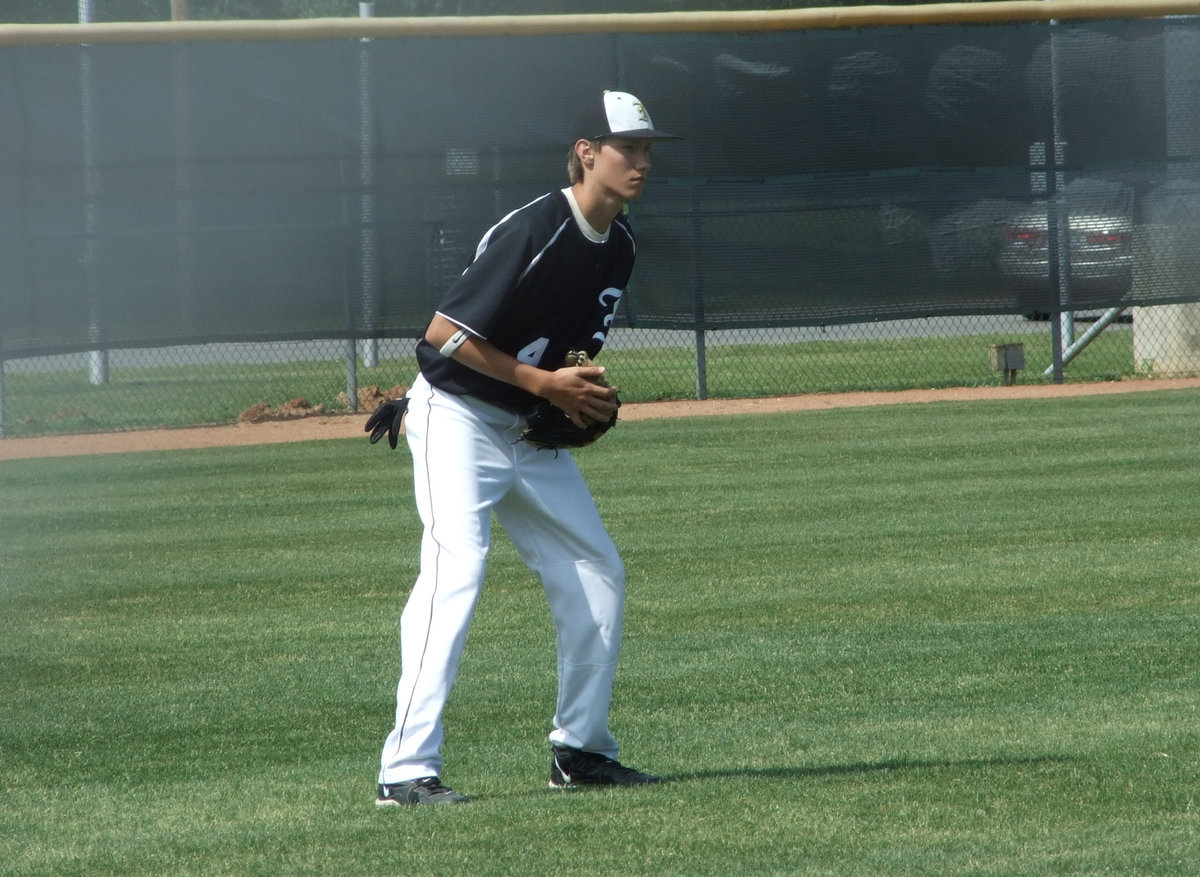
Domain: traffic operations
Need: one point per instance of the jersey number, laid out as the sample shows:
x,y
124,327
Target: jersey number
x,y
533,353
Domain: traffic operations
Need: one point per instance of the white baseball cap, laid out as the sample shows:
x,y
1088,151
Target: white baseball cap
x,y
616,114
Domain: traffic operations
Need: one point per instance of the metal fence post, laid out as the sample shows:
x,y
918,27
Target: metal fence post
x,y
698,300
366,174
351,349
1,398
97,358
1057,220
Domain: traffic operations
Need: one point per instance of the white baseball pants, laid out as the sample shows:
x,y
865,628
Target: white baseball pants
x,y
468,464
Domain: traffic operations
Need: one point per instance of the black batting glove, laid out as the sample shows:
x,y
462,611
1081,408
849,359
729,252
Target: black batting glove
x,y
386,419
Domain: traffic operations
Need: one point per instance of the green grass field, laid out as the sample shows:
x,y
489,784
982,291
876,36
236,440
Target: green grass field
x,y
931,639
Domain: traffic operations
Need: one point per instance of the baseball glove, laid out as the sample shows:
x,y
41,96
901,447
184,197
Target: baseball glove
x,y
549,427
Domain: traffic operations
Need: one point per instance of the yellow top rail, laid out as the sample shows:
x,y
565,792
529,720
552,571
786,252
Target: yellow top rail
x,y
658,22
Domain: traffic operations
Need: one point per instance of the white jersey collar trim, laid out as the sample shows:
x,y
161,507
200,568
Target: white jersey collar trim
x,y
584,226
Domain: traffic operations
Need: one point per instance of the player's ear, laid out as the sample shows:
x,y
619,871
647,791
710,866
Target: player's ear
x,y
586,151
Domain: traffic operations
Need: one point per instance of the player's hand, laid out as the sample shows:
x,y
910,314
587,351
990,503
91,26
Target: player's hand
x,y
386,421
582,393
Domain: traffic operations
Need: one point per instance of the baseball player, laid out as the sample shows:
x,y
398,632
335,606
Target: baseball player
x,y
545,280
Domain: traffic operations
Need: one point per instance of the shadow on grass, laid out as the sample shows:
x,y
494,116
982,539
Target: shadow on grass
x,y
891,766
833,770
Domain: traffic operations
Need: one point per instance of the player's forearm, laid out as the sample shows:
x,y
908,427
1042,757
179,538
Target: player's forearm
x,y
487,359
484,357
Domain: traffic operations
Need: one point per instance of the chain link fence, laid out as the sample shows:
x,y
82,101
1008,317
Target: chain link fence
x,y
218,222
225,383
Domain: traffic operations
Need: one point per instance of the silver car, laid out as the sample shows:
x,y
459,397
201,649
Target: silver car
x,y
1100,252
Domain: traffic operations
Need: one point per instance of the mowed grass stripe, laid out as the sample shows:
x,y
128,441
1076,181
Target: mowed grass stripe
x,y
911,639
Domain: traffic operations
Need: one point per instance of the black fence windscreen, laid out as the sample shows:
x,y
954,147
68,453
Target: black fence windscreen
x,y
165,193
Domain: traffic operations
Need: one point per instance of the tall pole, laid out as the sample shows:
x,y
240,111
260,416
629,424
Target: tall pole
x,y
1062,228
366,174
1057,220
185,245
97,358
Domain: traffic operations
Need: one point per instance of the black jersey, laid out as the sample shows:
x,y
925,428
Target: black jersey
x,y
539,286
